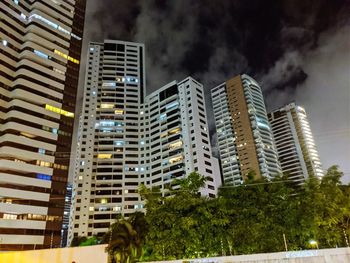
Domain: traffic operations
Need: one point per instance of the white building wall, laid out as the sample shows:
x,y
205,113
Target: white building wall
x,y
225,137
295,145
128,138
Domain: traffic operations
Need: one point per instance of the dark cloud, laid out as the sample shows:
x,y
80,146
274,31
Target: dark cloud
x,y
296,49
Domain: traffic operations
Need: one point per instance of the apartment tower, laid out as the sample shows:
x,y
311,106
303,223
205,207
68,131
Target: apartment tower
x,y
175,132
128,139
295,145
40,44
244,135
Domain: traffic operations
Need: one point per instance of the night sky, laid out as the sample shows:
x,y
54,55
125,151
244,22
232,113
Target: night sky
x,y
298,50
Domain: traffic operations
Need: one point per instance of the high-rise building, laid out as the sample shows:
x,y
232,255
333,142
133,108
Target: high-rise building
x,y
176,136
128,138
40,44
106,180
244,135
295,145
66,215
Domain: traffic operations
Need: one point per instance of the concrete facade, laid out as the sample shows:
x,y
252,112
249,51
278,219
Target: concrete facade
x,y
126,138
297,151
40,44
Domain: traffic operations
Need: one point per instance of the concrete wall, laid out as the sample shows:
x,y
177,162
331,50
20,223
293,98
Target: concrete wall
x,y
336,255
90,254
96,254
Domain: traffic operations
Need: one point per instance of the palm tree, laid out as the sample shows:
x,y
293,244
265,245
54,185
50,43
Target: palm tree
x,y
125,239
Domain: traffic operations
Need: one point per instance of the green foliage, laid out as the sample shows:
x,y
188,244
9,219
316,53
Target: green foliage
x,y
251,218
125,239
76,241
89,242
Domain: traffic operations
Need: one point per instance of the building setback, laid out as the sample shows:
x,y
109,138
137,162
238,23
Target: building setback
x,y
243,132
295,145
128,139
40,44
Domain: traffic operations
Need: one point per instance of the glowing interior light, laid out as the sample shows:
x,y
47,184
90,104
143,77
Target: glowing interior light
x,y
118,112
66,56
59,111
108,84
107,106
104,155
40,54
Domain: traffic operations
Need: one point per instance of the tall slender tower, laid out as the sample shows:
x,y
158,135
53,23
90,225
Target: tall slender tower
x,y
128,139
106,179
40,44
243,131
295,145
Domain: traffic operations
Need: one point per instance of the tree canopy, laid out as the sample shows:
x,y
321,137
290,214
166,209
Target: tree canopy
x,y
257,217
251,218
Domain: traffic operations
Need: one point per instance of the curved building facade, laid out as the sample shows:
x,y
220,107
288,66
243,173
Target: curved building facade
x,y
244,134
40,44
296,147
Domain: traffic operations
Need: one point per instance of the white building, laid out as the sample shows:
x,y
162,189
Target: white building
x,y
176,136
244,135
40,43
295,144
128,138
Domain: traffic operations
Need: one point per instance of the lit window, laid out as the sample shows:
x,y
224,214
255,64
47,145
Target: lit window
x,y
4,42
131,79
107,106
172,105
107,123
41,151
59,111
40,54
176,159
66,56
108,84
51,24
104,155
117,208
162,117
175,144
118,112
175,131
91,208
9,216
103,201
43,177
